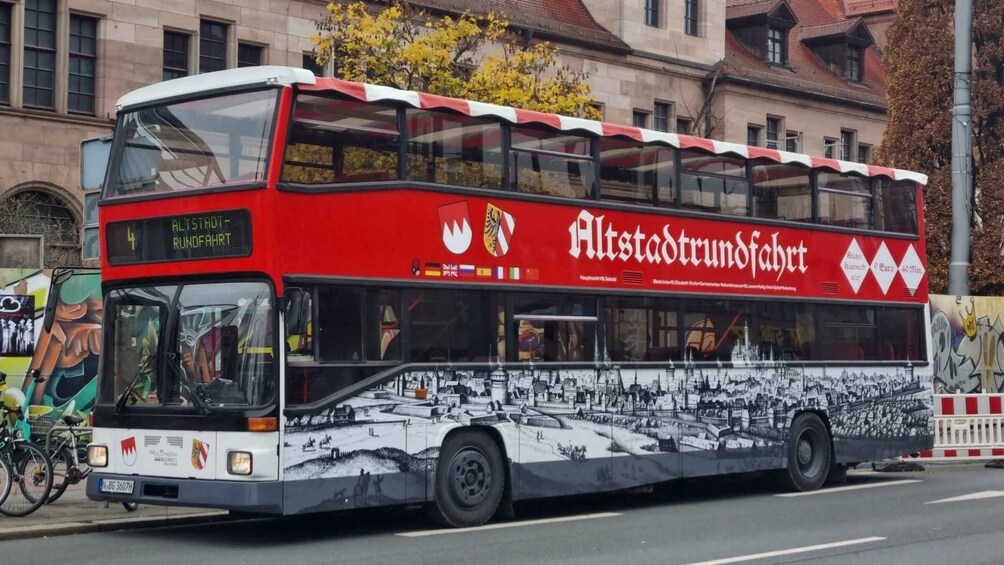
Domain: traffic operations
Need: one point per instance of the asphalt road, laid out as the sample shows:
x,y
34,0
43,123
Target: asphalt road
x,y
874,518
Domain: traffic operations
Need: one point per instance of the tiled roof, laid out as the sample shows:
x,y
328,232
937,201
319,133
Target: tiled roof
x,y
567,19
866,7
754,9
826,30
805,71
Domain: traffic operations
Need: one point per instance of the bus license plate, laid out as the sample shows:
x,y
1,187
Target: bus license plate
x,y
116,486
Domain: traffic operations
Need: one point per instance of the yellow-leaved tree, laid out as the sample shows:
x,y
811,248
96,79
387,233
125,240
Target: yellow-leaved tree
x,y
473,57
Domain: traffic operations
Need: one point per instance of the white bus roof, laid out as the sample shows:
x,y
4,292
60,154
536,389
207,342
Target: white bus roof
x,y
205,83
274,75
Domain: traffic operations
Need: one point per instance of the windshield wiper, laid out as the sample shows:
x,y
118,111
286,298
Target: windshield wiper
x,y
140,371
193,389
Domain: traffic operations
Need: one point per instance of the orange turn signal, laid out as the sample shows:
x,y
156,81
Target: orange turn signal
x,y
90,419
263,424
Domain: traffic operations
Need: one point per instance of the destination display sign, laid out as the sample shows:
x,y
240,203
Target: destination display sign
x,y
204,235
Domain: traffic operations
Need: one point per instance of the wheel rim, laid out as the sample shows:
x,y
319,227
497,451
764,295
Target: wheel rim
x,y
470,477
30,483
808,453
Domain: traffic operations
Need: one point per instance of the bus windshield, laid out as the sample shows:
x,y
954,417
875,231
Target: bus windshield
x,y
205,346
193,144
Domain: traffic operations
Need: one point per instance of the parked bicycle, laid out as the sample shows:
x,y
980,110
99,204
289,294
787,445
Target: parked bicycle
x,y
66,446
26,464
5,480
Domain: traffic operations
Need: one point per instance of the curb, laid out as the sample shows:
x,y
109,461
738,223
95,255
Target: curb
x,y
118,524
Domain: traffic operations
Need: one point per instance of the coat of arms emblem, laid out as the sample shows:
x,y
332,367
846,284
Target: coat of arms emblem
x,y
499,227
200,454
457,232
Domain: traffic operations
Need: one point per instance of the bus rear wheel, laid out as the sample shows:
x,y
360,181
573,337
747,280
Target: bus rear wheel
x,y
470,478
808,453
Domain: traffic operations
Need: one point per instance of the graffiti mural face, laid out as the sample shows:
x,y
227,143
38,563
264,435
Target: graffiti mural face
x,y
67,354
968,340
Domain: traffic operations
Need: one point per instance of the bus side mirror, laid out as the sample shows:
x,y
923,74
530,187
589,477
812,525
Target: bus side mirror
x,y
59,276
297,311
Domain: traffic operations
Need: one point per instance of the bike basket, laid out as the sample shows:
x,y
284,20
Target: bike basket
x,y
41,424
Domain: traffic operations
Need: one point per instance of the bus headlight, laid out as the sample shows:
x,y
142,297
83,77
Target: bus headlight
x,y
239,462
97,455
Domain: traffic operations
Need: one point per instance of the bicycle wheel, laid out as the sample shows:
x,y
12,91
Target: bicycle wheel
x,y
32,480
6,478
62,471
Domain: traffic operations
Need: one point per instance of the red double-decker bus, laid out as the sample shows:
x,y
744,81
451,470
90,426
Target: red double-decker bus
x,y
325,295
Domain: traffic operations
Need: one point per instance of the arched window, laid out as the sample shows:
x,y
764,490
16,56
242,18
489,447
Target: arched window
x,y
35,211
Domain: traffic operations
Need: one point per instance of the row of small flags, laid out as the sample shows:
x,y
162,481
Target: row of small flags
x,y
471,271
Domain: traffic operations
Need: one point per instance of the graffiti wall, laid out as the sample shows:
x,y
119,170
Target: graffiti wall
x,y
66,352
22,286
967,336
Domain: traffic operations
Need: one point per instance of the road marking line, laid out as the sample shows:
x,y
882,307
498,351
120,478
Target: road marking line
x,y
852,487
791,551
424,533
973,496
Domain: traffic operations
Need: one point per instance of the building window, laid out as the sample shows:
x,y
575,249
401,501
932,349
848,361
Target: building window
x,y
248,55
828,147
777,50
846,145
854,63
773,133
310,63
690,8
639,119
83,63
753,135
864,153
212,46
599,109
652,13
683,125
791,141
175,55
661,117
39,53
5,10
38,212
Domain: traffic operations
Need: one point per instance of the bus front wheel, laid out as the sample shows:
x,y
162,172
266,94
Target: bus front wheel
x,y
469,480
808,453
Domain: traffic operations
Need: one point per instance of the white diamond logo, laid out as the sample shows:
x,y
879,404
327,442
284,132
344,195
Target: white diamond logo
x,y
855,265
911,269
884,268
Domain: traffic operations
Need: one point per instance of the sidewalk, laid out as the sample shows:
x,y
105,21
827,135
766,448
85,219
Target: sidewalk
x,y
75,513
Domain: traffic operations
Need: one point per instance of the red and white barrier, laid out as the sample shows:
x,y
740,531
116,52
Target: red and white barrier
x,y
967,427
968,405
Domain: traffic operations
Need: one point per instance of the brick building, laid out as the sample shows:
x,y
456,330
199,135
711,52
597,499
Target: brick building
x,y
803,75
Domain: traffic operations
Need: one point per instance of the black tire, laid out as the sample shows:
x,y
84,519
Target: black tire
x,y
470,480
62,467
808,454
130,506
32,480
6,479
